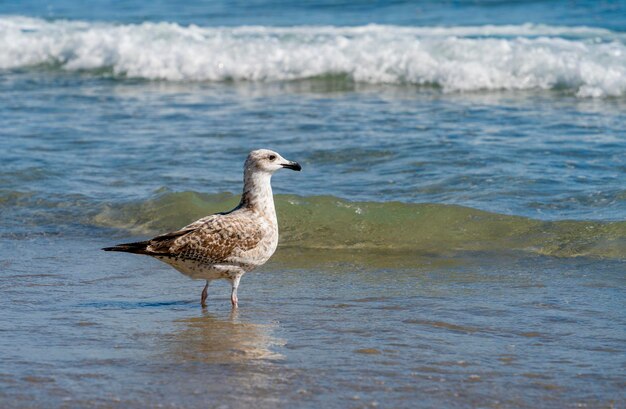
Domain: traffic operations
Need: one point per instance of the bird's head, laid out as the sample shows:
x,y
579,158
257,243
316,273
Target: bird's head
x,y
265,160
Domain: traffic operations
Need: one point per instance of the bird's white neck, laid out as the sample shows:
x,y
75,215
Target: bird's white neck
x,y
257,194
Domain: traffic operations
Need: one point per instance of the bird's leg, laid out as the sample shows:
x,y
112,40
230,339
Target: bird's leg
x,y
204,295
233,294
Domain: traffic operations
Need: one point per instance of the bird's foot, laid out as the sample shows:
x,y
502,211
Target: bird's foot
x,y
234,301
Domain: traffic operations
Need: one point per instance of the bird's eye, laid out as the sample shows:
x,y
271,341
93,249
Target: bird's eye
x,y
272,157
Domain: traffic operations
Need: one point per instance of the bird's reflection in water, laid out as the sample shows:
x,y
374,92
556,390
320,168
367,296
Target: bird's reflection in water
x,y
213,339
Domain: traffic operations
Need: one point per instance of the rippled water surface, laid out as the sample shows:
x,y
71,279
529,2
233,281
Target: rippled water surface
x,y
88,331
456,238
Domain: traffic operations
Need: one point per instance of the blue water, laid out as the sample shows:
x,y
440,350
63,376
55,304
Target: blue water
x,y
484,146
607,14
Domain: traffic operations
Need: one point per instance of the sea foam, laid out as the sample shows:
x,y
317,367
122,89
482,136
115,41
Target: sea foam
x,y
586,61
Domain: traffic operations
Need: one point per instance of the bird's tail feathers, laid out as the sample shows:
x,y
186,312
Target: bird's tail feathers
x,y
139,247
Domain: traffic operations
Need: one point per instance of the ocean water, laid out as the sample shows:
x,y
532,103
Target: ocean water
x,y
457,237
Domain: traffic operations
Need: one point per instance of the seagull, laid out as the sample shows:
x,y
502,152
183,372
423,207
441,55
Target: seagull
x,y
225,245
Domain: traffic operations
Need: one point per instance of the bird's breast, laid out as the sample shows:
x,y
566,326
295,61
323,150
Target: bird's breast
x,y
264,249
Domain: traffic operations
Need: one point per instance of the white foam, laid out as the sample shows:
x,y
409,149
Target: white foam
x,y
588,61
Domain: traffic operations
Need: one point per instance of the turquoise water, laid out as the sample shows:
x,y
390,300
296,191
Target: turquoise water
x,y
456,237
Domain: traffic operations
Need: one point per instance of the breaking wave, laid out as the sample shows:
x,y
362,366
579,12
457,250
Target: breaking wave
x,y
585,61
329,223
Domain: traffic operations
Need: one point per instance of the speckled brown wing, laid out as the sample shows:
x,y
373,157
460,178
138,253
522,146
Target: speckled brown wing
x,y
212,240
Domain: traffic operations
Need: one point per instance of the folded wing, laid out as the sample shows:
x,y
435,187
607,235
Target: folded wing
x,y
211,240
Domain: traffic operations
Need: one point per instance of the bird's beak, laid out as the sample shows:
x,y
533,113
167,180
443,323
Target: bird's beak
x,y
292,165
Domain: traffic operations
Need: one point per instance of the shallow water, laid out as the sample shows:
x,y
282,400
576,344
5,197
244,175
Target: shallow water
x,y
456,238
91,330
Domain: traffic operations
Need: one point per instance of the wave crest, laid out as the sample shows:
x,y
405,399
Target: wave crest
x,y
587,61
330,223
